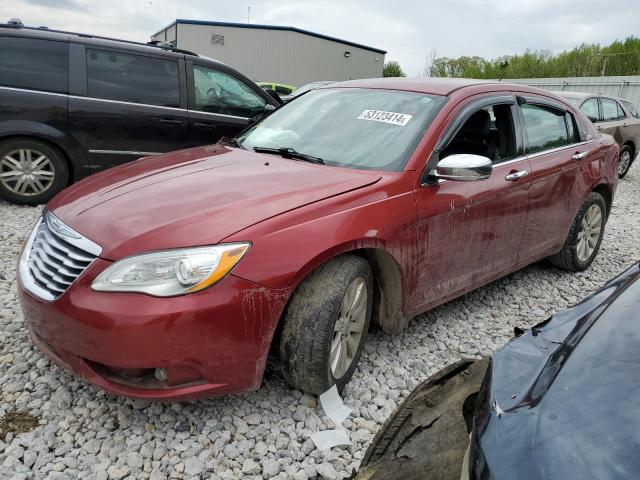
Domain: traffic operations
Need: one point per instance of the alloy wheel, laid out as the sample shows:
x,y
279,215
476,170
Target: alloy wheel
x,y
623,164
589,234
347,332
26,172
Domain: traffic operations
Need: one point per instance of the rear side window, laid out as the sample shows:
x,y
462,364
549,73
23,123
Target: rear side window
x,y
132,78
34,64
611,110
590,108
546,127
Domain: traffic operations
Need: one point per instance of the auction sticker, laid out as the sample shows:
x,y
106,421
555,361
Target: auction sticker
x,y
393,118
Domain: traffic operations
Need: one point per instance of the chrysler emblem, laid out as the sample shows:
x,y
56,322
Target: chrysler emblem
x,y
60,228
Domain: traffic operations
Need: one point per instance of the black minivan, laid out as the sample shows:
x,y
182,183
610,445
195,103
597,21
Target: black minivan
x,y
73,104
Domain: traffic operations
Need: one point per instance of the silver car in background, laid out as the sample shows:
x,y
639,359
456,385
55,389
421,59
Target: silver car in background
x,y
614,116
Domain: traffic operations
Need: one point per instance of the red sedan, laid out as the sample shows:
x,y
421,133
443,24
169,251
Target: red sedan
x,y
375,200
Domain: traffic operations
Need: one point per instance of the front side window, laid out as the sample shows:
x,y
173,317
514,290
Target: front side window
x,y
488,132
546,127
611,110
219,92
132,78
34,64
350,127
590,108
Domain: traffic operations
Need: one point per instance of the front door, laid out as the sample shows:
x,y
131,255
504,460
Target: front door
x,y
220,104
132,108
470,232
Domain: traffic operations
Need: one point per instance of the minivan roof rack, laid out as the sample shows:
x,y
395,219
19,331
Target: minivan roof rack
x,y
16,23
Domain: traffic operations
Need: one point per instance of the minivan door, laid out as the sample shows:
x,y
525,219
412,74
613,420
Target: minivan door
x,y
220,104
132,106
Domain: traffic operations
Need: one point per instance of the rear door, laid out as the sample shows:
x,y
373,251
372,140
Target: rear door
x,y
557,155
613,119
130,106
221,104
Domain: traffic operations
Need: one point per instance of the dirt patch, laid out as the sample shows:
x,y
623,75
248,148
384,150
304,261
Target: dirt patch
x,y
17,422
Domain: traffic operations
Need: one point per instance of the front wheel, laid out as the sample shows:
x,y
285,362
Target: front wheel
x,y
584,239
326,323
625,161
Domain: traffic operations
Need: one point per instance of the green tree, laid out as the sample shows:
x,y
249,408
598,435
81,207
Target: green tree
x,y
586,60
392,69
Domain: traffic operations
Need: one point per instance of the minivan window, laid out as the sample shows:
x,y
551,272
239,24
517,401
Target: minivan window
x,y
610,110
34,64
546,127
219,92
132,78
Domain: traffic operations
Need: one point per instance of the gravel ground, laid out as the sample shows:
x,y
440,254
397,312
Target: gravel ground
x,y
86,433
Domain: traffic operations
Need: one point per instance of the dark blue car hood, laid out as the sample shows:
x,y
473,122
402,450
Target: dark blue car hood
x,y
563,400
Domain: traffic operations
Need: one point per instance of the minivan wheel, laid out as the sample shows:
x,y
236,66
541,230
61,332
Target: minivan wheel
x,y
626,158
585,236
31,171
326,323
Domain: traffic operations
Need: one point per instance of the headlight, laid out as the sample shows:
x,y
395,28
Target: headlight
x,y
171,272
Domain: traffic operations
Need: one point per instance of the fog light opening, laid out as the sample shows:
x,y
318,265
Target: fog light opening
x,y
161,374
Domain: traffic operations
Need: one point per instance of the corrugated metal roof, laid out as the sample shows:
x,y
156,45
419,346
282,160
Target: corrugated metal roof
x,y
269,27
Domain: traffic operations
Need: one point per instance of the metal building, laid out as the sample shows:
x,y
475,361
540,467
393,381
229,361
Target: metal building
x,y
273,53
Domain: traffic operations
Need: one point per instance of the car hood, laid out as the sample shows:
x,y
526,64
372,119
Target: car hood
x,y
562,400
194,197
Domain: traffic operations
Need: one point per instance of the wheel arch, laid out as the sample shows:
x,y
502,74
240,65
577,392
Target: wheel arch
x,y
606,192
389,291
632,146
68,147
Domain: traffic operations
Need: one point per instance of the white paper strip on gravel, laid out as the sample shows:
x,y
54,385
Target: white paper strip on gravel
x,y
333,406
330,438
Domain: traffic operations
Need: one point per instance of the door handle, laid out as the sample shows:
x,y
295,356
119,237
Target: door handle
x,y
171,122
580,155
204,125
515,176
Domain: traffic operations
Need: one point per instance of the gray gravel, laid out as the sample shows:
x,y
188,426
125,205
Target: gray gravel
x,y
86,433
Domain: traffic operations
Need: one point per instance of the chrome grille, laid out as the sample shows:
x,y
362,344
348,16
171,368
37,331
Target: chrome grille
x,y
55,255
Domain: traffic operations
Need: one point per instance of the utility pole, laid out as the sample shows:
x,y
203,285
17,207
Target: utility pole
x,y
249,14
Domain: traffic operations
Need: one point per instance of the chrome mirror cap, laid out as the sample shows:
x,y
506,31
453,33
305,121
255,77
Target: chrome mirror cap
x,y
464,167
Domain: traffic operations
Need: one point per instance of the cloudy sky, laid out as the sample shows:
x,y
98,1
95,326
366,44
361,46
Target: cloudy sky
x,y
410,30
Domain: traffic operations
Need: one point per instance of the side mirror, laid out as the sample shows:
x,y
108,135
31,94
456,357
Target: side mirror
x,y
464,167
592,118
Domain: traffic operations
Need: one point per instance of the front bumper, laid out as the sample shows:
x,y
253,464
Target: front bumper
x,y
211,343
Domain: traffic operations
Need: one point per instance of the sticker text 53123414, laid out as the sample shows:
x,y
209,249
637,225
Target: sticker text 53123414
x,y
393,118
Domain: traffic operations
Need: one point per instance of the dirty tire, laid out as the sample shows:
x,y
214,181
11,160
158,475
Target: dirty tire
x,y
59,168
567,258
626,159
309,323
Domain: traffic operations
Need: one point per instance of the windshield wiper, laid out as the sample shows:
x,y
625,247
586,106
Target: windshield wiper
x,y
287,152
232,142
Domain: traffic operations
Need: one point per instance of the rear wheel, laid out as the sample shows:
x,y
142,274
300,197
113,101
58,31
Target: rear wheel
x,y
31,171
584,239
626,158
326,324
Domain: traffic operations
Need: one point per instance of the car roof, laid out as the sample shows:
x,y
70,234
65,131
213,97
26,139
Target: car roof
x,y
96,40
431,85
580,95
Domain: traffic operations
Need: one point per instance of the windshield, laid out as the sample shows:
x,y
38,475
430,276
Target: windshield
x,y
350,127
